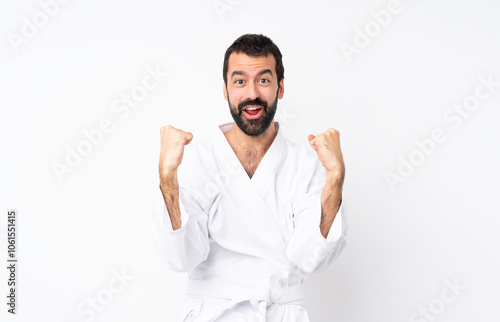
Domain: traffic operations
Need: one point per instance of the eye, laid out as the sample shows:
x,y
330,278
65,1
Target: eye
x,y
264,80
238,81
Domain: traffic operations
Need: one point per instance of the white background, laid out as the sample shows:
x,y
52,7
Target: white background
x,y
438,225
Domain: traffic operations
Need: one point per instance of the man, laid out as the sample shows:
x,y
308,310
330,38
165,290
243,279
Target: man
x,y
248,213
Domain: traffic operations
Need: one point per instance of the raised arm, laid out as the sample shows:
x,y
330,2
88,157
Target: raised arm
x,y
179,225
320,227
327,146
172,150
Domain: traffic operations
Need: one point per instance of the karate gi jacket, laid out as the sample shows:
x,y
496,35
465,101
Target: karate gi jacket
x,y
248,244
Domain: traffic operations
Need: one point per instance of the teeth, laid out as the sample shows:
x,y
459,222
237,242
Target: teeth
x,y
252,108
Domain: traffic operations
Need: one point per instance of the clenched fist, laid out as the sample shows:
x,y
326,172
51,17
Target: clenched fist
x,y
172,149
327,146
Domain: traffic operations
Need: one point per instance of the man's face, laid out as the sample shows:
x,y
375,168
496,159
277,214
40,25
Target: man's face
x,y
252,91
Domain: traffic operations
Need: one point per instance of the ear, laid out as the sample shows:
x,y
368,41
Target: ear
x,y
225,90
281,89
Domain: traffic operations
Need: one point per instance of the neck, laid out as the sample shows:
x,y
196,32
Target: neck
x,y
240,141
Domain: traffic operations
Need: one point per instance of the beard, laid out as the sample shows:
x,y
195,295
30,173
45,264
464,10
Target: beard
x,y
258,126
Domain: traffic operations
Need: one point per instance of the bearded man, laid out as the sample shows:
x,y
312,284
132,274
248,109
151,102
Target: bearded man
x,y
249,214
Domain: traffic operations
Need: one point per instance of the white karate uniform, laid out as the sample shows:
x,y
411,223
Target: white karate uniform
x,y
248,244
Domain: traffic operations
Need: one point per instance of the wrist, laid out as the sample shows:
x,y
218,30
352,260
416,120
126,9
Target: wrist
x,y
335,177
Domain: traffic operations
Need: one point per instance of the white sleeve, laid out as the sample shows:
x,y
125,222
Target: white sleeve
x,y
184,248
307,248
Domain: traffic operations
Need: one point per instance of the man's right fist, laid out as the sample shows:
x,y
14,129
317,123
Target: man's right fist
x,y
172,148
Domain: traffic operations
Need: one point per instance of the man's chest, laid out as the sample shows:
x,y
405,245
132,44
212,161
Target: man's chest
x,y
250,160
244,213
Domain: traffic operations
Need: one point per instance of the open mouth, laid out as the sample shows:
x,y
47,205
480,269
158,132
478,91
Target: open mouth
x,y
252,112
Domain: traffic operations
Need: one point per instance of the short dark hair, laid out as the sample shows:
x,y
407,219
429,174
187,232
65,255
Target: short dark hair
x,y
255,45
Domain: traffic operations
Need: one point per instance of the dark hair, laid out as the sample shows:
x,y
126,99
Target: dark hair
x,y
254,45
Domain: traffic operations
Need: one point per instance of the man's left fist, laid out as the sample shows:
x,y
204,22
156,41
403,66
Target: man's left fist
x,y
327,145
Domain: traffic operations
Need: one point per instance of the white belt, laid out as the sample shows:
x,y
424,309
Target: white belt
x,y
258,298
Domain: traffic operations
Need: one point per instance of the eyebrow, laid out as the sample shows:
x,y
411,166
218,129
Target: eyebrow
x,y
265,71
262,72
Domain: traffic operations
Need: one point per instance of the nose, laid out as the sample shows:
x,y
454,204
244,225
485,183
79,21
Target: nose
x,y
252,91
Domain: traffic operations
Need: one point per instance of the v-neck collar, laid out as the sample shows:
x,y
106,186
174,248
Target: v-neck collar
x,y
266,166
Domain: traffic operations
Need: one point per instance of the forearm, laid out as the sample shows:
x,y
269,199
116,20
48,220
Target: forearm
x,y
331,198
169,186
